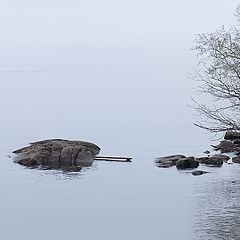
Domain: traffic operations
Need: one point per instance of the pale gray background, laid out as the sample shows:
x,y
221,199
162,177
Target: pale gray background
x,y
114,73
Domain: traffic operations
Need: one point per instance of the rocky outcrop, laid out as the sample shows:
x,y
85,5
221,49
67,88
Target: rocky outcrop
x,y
186,163
57,153
169,161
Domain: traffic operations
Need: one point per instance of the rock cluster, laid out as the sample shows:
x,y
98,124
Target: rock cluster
x,y
183,162
169,161
215,160
57,153
180,161
231,144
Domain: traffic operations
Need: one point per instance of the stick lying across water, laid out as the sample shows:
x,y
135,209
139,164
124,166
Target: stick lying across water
x,y
113,159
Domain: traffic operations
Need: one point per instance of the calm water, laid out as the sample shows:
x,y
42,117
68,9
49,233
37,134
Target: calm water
x,y
127,112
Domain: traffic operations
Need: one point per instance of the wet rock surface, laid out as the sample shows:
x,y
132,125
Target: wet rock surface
x,y
236,159
226,146
225,158
236,141
186,163
211,161
231,135
168,161
230,146
180,161
198,173
57,154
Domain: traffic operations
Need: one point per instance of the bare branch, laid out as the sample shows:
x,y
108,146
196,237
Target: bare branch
x,y
219,54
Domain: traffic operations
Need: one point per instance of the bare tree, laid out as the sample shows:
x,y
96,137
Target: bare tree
x,y
219,78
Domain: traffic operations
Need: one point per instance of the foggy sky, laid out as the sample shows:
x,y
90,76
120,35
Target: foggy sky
x,y
43,32
108,21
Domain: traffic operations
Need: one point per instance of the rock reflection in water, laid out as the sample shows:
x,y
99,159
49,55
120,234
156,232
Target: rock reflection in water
x,y
66,174
218,210
64,169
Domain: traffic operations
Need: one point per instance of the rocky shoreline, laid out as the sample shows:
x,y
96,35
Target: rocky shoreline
x,y
230,144
73,155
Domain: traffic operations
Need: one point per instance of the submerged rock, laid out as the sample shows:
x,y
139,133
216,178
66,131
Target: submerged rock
x,y
57,153
198,172
186,163
168,161
206,152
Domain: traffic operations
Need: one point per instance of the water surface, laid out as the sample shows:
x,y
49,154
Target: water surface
x,y
127,113
115,74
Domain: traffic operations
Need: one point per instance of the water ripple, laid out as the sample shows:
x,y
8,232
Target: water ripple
x,y
217,209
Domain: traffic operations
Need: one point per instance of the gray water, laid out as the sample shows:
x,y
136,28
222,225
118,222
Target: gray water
x,y
127,113
122,83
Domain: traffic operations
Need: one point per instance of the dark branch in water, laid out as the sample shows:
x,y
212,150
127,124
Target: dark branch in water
x,y
113,159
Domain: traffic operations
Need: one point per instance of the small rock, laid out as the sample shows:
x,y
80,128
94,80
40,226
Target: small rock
x,y
168,161
202,159
236,141
236,159
225,158
226,146
165,164
231,135
186,163
212,161
198,172
207,152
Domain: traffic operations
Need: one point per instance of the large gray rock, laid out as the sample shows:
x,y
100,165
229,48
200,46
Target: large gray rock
x,y
186,163
57,153
168,161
